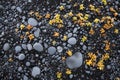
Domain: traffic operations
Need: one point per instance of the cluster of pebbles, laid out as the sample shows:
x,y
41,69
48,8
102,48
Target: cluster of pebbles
x,y
45,55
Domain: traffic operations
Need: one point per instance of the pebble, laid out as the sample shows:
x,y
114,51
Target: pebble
x,y
6,46
21,57
51,50
59,49
27,63
75,30
108,67
38,47
74,61
29,47
69,35
84,47
20,68
24,46
35,71
18,49
25,77
71,76
19,9
32,21
72,41
37,33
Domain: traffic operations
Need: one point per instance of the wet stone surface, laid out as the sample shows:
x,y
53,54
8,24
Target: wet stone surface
x,y
59,40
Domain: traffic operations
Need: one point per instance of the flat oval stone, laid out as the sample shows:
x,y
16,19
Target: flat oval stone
x,y
51,50
35,71
6,46
32,21
72,41
38,47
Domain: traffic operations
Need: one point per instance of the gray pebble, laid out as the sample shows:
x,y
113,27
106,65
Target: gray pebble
x,y
24,46
25,77
59,49
74,61
84,47
71,76
19,68
37,33
29,0
108,67
6,46
35,71
32,21
29,47
51,50
69,35
75,30
18,49
19,9
27,63
38,47
21,57
72,41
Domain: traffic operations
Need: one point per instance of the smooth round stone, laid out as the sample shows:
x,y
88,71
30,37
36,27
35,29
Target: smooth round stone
x,y
27,63
108,67
21,57
6,46
71,76
72,41
74,61
35,71
51,50
59,49
32,21
38,47
29,47
18,49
